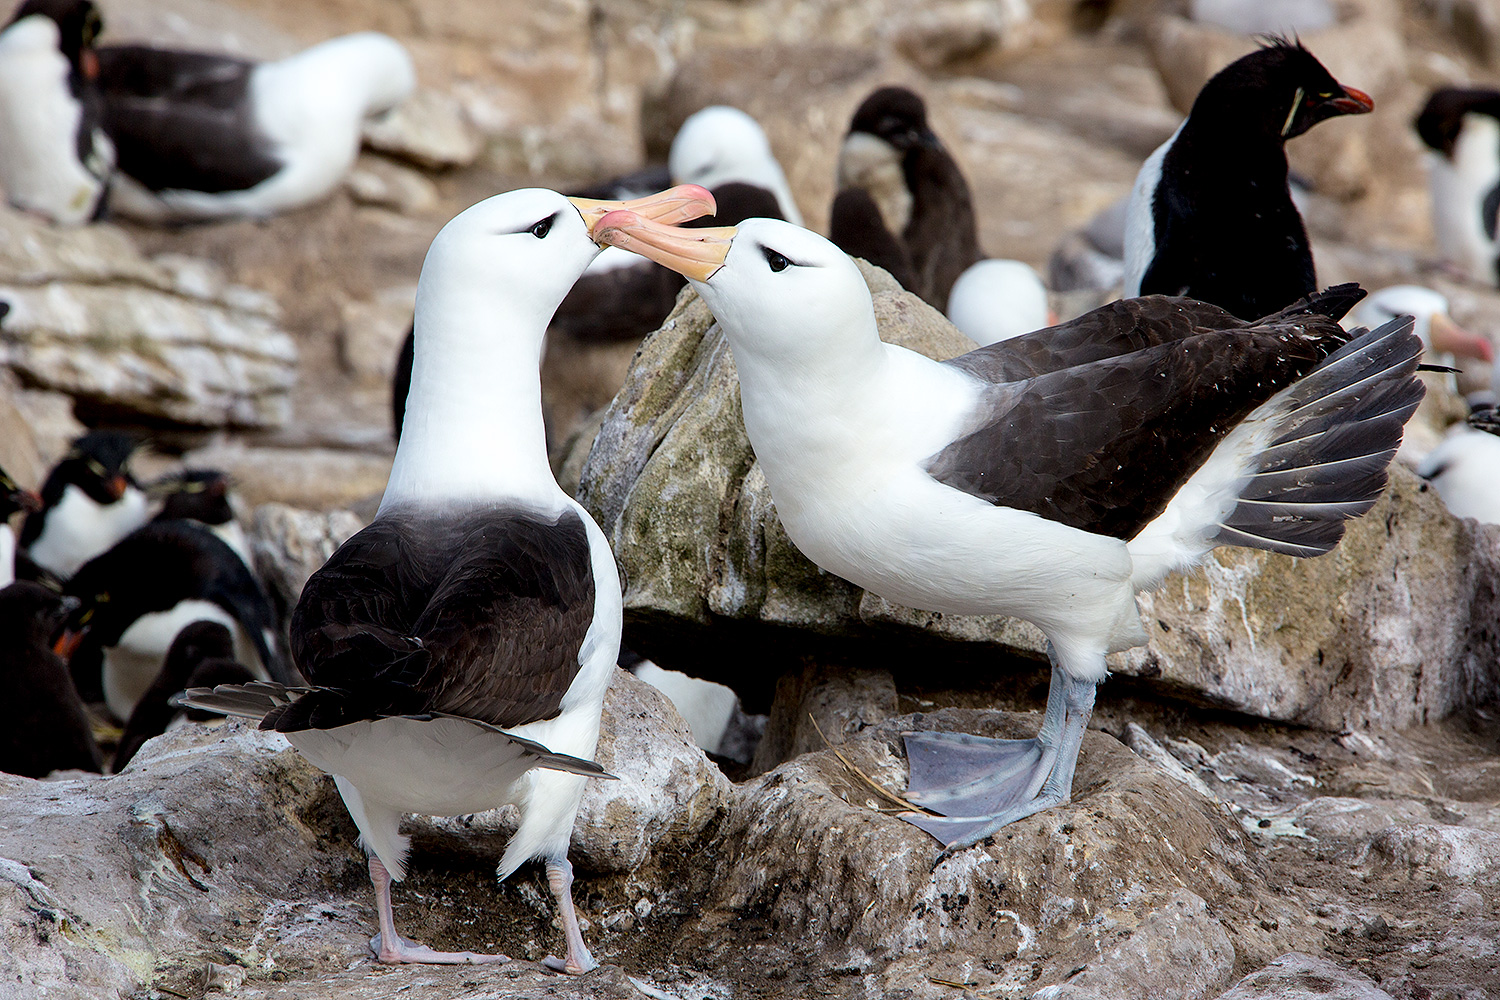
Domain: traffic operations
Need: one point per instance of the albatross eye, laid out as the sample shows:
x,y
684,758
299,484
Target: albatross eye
x,y
541,229
776,260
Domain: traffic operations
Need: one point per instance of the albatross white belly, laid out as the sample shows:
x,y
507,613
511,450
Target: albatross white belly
x,y
440,767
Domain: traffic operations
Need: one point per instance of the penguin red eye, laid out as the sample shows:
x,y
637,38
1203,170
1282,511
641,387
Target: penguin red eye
x,y
541,229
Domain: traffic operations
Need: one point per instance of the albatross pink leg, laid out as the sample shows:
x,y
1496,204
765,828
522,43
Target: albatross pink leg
x,y
560,881
391,947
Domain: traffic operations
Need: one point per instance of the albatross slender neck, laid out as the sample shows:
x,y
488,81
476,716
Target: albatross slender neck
x,y
473,430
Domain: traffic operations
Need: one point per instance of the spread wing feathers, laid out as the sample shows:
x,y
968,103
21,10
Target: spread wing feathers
x,y
262,699
1336,431
1108,444
182,120
481,616
1130,325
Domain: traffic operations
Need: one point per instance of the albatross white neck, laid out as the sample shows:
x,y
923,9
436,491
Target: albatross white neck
x,y
473,429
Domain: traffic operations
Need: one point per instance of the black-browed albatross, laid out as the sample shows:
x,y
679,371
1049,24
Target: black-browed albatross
x,y
467,635
1051,477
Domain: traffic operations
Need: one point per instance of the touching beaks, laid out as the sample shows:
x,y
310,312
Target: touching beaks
x,y
692,253
676,205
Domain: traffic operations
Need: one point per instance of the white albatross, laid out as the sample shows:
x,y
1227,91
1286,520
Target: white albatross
x,y
1051,476
459,646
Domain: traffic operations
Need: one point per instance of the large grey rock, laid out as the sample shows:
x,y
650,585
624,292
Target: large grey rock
x,y
1392,628
1431,850
1388,629
429,129
166,340
205,848
1179,950
811,854
224,848
1296,976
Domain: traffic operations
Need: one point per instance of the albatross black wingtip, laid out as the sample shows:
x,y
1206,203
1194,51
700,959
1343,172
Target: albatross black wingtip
x,y
1334,302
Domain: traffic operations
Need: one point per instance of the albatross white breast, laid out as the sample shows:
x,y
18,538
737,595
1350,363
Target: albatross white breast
x,y
1051,476
460,645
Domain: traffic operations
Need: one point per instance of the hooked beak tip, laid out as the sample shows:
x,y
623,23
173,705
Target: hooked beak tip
x,y
1354,102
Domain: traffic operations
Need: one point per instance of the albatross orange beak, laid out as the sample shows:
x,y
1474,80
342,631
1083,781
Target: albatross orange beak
x,y
692,253
1447,337
683,203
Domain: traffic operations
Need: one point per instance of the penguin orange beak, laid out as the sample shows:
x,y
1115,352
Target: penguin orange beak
x,y
693,253
117,487
676,205
1354,102
1447,337
67,643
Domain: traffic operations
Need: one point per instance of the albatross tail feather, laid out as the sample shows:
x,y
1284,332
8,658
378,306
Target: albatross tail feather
x,y
1335,432
1290,475
253,700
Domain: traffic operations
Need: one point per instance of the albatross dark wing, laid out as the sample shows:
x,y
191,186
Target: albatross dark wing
x,y
1108,444
182,120
480,615
1129,325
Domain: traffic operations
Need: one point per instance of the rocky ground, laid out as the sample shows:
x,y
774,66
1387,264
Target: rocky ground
x,y
1294,791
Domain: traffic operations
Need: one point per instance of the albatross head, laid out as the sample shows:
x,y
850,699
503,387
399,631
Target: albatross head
x,y
780,291
517,254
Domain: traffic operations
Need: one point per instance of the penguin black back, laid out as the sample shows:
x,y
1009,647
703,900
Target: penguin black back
x,y
48,728
1224,228
153,569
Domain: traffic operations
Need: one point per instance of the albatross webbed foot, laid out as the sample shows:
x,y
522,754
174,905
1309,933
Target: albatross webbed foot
x,y
392,948
406,951
978,785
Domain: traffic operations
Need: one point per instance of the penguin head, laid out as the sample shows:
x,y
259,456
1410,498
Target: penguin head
x,y
34,612
1281,89
198,641
97,464
1442,118
897,116
194,494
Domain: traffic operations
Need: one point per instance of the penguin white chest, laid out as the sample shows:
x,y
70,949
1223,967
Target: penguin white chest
x,y
78,528
1464,199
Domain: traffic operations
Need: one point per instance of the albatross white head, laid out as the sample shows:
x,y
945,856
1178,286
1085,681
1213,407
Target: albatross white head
x,y
786,297
492,279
